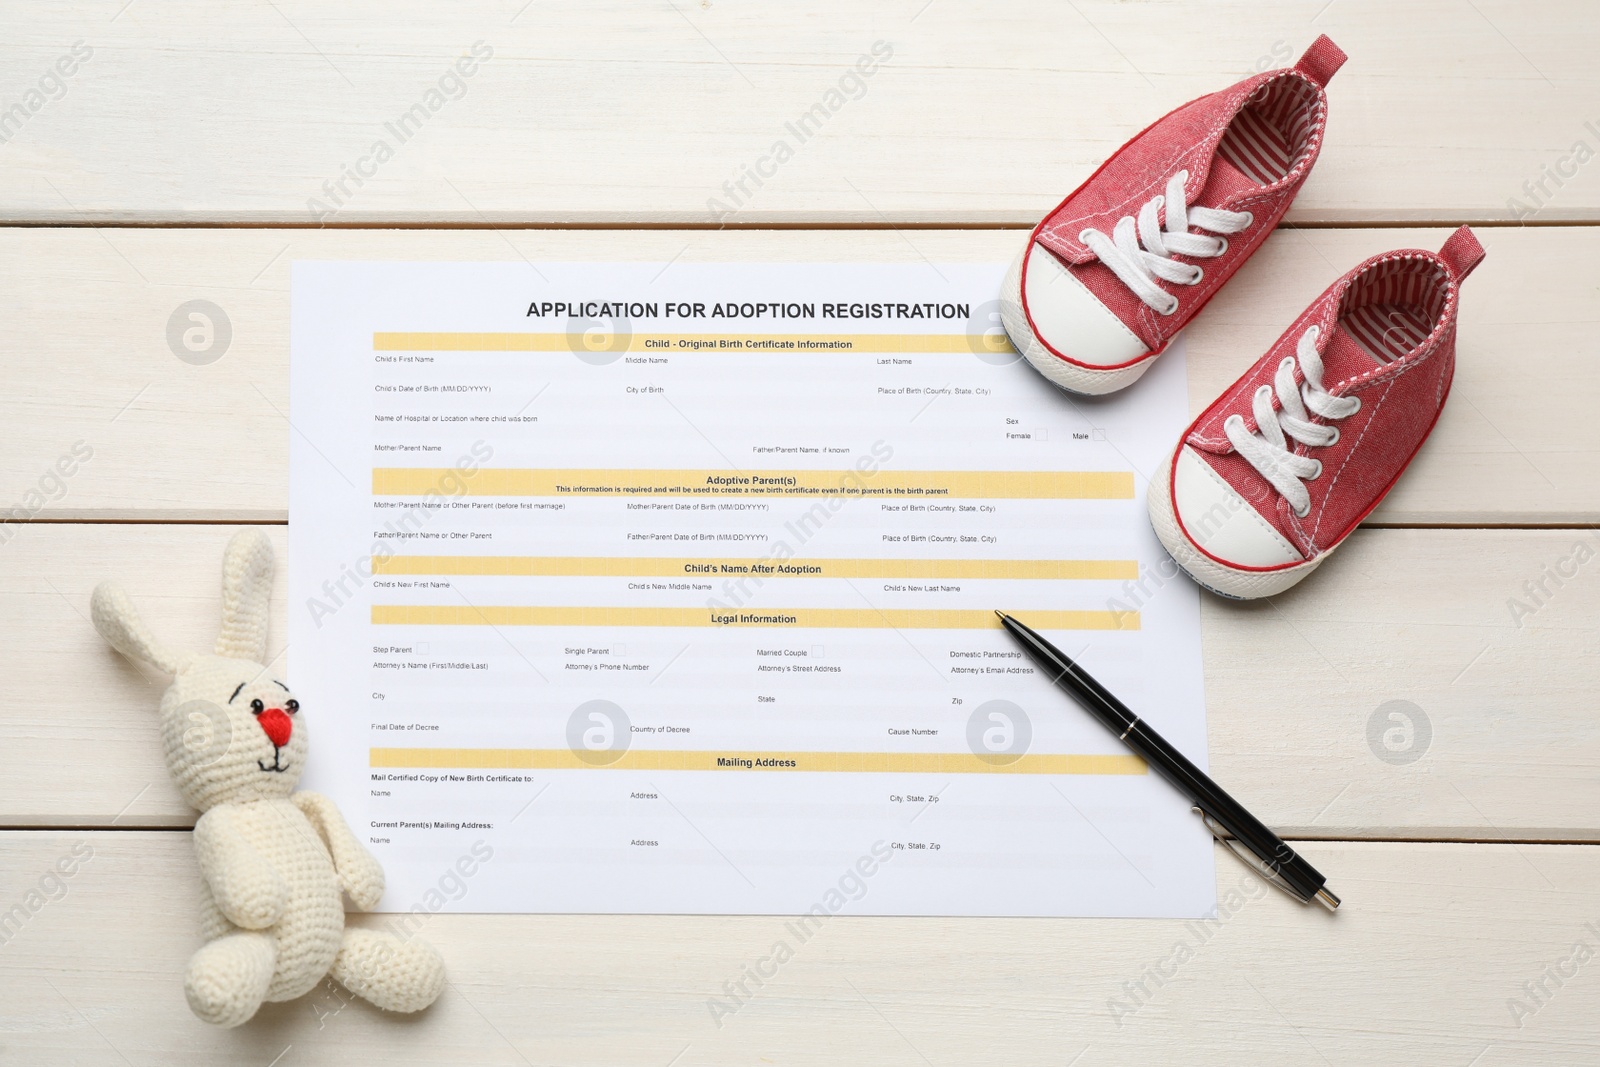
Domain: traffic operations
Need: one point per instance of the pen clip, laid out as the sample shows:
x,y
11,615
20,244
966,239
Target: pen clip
x,y
1253,862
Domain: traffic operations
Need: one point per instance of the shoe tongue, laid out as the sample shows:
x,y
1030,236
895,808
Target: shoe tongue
x,y
1224,182
1343,358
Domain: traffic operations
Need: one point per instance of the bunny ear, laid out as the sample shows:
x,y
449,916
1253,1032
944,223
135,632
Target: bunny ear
x,y
246,590
119,623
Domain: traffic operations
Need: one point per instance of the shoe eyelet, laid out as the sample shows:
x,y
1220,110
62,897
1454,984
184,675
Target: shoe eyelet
x,y
1083,236
1357,408
1199,273
1335,440
1299,514
1317,475
1250,219
1224,249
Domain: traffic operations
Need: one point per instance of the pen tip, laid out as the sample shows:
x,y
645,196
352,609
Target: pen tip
x,y
1000,613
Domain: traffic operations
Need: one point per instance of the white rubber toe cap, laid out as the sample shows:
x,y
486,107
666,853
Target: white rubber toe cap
x,y
1218,519
1072,320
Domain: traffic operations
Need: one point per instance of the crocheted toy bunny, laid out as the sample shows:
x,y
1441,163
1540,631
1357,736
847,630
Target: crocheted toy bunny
x,y
274,860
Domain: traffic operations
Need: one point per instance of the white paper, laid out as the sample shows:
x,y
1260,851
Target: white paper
x,y
524,708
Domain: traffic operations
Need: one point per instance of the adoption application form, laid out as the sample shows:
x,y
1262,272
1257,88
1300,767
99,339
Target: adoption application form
x,y
670,588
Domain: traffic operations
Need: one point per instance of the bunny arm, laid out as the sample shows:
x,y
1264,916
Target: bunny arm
x,y
360,873
247,889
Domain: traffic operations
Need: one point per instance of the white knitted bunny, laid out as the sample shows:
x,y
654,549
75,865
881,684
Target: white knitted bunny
x,y
274,860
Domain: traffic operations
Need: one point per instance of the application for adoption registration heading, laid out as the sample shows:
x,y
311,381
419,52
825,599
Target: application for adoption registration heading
x,y
670,588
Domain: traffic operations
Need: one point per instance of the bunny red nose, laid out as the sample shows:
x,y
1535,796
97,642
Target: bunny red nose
x,y
277,724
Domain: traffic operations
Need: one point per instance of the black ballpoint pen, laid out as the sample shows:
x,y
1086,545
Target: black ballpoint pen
x,y
1220,811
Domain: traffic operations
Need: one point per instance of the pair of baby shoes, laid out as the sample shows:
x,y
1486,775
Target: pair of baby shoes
x,y
1290,458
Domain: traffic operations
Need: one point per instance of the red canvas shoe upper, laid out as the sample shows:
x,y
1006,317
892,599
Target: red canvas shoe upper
x,y
1259,483
1238,156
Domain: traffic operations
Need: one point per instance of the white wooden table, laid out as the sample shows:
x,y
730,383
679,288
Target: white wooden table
x,y
177,162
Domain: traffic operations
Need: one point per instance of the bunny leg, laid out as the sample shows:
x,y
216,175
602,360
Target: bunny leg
x,y
228,978
395,975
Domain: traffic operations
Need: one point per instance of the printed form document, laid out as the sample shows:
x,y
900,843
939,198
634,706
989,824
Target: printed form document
x,y
670,588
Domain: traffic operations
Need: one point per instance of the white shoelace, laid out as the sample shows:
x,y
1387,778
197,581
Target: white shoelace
x,y
1267,450
1140,267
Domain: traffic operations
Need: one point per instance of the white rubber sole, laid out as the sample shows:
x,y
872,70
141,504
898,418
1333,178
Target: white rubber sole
x,y
1219,578
1068,376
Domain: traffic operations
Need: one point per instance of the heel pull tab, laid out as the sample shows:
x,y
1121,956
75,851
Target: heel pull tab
x,y
1322,60
1462,252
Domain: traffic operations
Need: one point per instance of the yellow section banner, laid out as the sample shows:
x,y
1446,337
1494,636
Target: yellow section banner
x,y
712,567
543,759
793,618
667,343
956,485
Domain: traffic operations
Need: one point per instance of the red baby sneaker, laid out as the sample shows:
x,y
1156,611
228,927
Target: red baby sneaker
x,y
1276,473
1109,276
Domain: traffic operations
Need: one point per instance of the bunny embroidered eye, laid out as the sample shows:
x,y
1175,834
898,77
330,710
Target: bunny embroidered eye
x,y
293,705
257,707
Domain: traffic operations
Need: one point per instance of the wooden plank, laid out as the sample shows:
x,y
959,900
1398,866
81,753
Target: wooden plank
x,y
1421,966
88,314
618,113
1501,713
